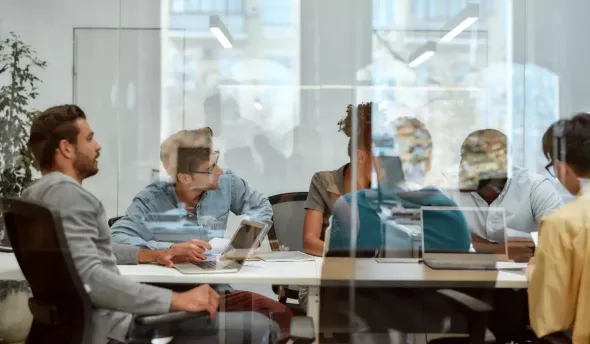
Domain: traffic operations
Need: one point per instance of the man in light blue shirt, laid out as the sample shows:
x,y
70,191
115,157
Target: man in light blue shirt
x,y
195,207
524,196
201,194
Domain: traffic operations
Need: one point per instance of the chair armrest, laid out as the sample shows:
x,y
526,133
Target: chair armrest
x,y
556,338
5,249
302,330
167,318
470,302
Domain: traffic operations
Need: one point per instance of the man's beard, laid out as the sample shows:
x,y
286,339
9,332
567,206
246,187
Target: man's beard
x,y
85,165
210,185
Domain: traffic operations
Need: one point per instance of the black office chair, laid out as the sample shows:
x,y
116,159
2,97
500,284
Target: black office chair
x,y
287,230
60,305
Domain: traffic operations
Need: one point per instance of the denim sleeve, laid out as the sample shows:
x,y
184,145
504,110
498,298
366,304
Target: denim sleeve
x,y
245,200
130,229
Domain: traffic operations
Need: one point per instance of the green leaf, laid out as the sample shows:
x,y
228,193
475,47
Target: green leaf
x,y
18,61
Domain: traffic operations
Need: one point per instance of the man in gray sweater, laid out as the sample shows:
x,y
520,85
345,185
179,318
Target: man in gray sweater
x,y
65,149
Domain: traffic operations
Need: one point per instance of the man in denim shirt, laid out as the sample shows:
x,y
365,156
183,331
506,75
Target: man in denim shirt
x,y
201,190
201,195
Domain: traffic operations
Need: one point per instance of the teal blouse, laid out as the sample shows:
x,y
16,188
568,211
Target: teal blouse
x,y
443,230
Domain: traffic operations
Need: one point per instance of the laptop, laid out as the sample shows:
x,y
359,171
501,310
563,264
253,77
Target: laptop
x,y
247,237
402,236
481,256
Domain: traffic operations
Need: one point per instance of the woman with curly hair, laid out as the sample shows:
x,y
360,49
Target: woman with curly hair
x,y
327,186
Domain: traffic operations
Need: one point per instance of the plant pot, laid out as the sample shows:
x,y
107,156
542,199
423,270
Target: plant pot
x,y
15,317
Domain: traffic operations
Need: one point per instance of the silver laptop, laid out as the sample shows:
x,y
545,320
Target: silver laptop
x,y
402,235
480,256
247,237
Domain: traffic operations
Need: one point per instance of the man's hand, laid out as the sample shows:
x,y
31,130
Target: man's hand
x,y
201,298
180,254
193,244
189,251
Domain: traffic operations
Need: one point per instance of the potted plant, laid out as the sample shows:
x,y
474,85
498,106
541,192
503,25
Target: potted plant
x,y
17,169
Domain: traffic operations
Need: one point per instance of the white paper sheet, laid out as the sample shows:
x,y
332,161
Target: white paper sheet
x,y
535,236
285,256
218,245
510,266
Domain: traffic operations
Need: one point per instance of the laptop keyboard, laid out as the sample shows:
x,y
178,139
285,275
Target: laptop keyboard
x,y
458,265
208,265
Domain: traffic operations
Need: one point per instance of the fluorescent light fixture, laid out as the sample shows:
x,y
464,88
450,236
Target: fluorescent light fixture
x,y
467,17
422,55
220,31
258,105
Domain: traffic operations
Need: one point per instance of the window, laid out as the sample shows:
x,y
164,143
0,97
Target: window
x,y
208,6
277,12
222,7
383,13
418,8
177,6
234,6
193,5
456,6
439,9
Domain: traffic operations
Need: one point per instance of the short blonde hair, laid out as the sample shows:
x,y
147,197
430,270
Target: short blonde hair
x,y
199,138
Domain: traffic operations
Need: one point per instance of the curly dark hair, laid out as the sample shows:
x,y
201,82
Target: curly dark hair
x,y
364,114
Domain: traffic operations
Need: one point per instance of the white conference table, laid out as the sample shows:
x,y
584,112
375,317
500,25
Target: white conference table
x,y
364,272
304,273
368,272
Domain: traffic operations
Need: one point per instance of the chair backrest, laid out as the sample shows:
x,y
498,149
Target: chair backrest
x,y
287,220
113,220
61,307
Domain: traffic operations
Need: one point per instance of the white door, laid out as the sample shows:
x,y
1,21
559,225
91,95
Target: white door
x,y
117,82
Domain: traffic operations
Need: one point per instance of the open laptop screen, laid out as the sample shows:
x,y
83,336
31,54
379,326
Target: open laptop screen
x,y
452,230
247,237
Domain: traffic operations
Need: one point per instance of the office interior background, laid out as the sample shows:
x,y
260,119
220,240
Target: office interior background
x,y
144,69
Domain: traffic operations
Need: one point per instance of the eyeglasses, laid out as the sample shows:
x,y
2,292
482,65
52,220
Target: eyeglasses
x,y
212,167
550,169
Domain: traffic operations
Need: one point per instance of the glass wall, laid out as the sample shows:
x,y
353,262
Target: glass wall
x,y
276,85
289,76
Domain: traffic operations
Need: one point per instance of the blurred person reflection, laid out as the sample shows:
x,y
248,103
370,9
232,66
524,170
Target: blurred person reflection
x,y
445,231
410,152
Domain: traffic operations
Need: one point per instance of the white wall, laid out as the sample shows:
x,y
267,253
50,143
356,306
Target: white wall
x,y
49,29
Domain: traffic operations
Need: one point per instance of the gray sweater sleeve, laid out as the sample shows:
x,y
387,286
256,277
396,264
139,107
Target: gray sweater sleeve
x,y
88,243
125,254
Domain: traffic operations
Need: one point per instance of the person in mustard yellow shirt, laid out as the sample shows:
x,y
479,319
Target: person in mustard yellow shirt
x,y
559,278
